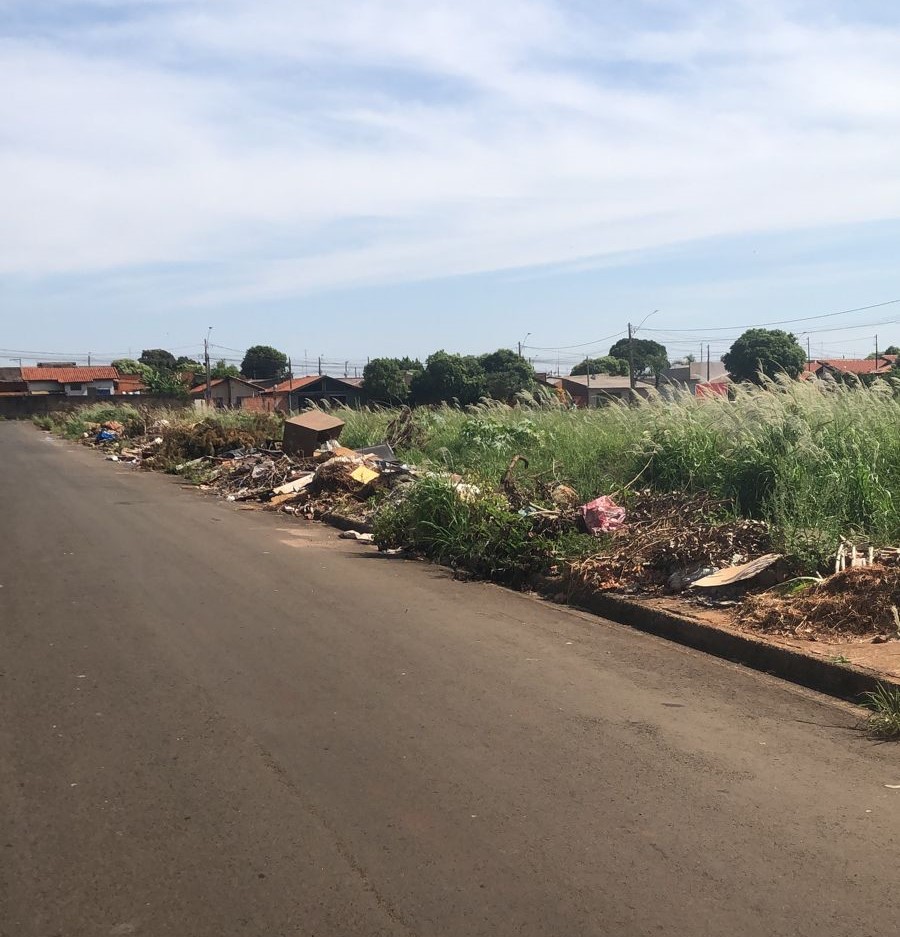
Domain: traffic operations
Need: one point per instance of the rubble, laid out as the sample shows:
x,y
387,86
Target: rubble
x,y
859,601
670,540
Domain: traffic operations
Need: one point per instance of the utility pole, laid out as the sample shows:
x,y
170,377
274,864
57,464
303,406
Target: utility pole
x,y
207,394
707,364
346,369
89,359
320,365
876,352
630,357
290,369
808,351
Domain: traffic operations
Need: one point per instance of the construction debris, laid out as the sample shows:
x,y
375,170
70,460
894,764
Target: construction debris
x,y
731,575
305,433
858,601
671,540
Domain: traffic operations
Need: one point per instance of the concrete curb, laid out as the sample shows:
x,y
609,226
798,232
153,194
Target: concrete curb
x,y
841,680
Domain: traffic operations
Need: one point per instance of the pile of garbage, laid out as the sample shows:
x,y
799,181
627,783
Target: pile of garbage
x,y
672,541
858,600
333,480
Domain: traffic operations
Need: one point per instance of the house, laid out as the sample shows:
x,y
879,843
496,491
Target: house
x,y
695,373
841,368
11,383
130,384
226,392
595,390
300,392
71,381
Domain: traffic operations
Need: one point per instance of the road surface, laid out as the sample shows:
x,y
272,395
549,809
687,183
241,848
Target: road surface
x,y
218,722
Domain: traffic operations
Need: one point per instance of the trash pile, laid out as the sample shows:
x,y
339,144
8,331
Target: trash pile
x,y
667,542
857,601
309,474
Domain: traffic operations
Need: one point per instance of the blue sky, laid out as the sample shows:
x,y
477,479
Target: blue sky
x,y
361,178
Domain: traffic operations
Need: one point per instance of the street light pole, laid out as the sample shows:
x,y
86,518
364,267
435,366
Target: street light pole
x,y
208,392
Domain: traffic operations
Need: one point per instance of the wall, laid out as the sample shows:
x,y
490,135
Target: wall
x,y
23,408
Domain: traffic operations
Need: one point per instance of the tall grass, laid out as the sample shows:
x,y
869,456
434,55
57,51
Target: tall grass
x,y
816,462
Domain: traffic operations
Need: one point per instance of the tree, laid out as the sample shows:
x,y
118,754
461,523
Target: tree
x,y
890,350
262,362
649,356
384,382
449,377
166,384
408,364
188,364
602,365
769,351
159,359
505,374
221,369
130,366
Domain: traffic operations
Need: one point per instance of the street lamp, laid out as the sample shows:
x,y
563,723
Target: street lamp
x,y
527,336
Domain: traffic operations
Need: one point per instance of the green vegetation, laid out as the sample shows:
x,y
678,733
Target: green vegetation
x,y
884,723
649,356
222,369
385,381
606,364
476,531
158,359
816,465
262,362
768,352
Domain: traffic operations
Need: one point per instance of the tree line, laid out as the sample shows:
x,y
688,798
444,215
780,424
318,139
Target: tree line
x,y
499,375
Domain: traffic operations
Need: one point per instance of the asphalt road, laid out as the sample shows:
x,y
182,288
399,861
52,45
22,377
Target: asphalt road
x,y
215,722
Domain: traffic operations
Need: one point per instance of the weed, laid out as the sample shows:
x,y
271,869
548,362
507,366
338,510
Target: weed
x,y
478,533
884,723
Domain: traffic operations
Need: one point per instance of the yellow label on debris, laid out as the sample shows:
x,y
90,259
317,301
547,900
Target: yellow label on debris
x,y
363,475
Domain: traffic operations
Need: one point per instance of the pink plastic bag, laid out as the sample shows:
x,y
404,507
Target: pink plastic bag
x,y
602,515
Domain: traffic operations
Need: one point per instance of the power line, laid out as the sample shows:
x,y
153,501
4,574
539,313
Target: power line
x,y
762,325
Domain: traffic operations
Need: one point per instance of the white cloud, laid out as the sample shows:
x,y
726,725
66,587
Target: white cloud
x,y
324,144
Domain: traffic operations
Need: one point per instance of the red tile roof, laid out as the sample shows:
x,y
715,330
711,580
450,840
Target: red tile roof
x,y
295,384
854,365
70,375
201,388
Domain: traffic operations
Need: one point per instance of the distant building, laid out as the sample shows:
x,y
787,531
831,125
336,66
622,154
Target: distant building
x,y
226,392
840,368
73,382
691,375
301,392
595,390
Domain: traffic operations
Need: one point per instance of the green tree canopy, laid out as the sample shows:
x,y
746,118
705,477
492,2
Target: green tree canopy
x,y
222,369
158,358
408,364
130,366
384,382
262,362
505,374
649,356
770,351
188,364
166,384
890,350
449,377
605,364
